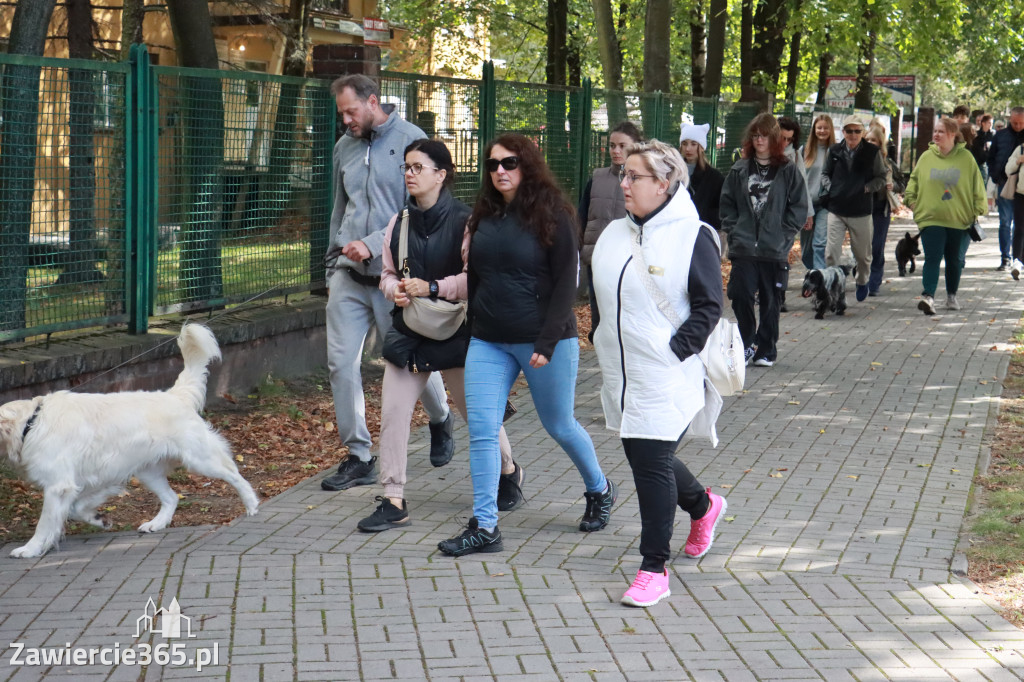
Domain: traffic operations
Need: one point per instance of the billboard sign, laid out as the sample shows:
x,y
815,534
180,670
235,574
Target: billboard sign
x,y
839,90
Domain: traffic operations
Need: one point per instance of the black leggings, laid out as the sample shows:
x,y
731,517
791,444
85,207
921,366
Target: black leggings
x,y
662,482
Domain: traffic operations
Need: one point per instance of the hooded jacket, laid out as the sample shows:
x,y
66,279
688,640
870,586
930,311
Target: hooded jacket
x,y
946,190
706,191
368,189
769,238
653,380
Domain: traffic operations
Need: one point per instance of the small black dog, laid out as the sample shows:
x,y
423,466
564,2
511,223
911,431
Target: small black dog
x,y
906,249
828,287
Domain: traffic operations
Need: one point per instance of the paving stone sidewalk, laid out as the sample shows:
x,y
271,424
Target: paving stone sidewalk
x,y
847,467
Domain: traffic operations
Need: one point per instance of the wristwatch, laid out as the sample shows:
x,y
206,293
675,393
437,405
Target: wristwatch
x,y
433,290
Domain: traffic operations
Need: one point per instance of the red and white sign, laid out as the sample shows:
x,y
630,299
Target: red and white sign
x,y
376,32
839,90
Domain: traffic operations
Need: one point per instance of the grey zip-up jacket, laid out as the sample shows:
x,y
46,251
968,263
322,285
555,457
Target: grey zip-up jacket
x,y
369,188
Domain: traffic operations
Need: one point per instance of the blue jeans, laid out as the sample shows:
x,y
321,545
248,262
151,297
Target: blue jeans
x,y
816,258
880,230
1005,207
491,369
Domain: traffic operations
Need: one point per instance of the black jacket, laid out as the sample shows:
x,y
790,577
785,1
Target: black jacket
x,y
771,237
435,252
980,146
706,191
846,188
519,291
1003,144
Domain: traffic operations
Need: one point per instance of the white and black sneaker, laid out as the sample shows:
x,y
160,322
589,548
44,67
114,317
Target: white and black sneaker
x,y
926,305
1016,268
473,539
748,355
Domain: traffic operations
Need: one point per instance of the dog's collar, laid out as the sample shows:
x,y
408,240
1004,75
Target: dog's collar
x,y
31,420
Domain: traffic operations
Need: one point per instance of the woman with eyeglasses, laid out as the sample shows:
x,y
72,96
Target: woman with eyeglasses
x,y
523,264
653,380
764,205
436,240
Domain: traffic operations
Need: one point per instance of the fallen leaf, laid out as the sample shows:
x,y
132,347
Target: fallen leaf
x,y
725,485
747,471
876,364
111,508
497,575
775,475
783,469
982,382
955,471
915,355
309,506
730,519
794,402
822,431
239,458
853,477
230,398
924,466
329,426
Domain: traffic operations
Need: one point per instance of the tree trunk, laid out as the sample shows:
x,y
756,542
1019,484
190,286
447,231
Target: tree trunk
x,y
863,98
611,60
825,60
793,71
698,49
746,47
132,13
202,105
275,190
718,18
557,29
657,36
20,111
766,52
81,150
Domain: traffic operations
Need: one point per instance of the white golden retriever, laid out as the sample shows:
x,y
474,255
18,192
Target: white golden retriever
x,y
81,448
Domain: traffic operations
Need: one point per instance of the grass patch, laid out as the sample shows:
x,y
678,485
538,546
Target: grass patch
x,y
996,551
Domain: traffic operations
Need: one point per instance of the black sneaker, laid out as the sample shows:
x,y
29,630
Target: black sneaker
x,y
599,509
473,539
387,515
442,445
510,490
1004,265
351,472
510,410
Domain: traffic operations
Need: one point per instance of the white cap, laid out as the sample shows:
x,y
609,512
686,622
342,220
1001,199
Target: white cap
x,y
698,134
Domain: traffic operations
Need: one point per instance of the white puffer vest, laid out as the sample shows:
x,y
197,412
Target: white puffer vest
x,y
647,391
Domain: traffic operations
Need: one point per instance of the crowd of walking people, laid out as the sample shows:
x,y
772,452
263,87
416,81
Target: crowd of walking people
x,y
468,298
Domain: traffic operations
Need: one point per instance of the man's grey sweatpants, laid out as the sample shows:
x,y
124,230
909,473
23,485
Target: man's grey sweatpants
x,y
351,309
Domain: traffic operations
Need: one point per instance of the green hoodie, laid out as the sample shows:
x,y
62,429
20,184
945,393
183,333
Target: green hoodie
x,y
946,190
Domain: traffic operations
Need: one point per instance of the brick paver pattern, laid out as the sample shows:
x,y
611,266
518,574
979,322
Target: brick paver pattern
x,y
847,468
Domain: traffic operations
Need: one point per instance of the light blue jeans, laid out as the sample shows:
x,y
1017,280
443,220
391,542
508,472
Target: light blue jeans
x,y
820,238
491,369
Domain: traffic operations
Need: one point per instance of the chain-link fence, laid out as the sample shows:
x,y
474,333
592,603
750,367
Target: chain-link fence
x,y
129,190
62,194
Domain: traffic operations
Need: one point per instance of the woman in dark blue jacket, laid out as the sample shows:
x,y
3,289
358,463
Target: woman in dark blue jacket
x,y
523,265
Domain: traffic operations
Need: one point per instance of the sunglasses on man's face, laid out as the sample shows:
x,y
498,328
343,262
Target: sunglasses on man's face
x,y
508,163
853,131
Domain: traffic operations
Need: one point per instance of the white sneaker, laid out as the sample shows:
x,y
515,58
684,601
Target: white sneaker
x,y
951,302
1016,268
926,305
763,362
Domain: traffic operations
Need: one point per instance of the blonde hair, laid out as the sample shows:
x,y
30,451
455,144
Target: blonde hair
x,y
877,132
663,160
811,150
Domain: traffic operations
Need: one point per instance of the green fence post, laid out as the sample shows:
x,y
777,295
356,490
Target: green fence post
x,y
488,113
325,119
584,136
140,153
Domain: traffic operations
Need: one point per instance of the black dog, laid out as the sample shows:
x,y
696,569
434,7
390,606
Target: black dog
x,y
906,249
828,287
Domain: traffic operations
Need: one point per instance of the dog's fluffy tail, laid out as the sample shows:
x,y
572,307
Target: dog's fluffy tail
x,y
198,348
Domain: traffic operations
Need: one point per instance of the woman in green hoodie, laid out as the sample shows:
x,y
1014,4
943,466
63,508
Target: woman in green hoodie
x,y
946,193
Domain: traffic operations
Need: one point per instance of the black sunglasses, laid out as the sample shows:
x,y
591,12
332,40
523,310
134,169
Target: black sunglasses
x,y
508,163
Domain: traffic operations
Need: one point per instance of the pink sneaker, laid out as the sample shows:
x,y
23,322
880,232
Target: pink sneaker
x,y
647,589
702,530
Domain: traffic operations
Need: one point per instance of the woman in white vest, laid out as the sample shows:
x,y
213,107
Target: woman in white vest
x,y
602,202
654,381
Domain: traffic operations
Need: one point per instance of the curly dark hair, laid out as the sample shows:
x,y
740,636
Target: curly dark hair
x,y
765,124
539,201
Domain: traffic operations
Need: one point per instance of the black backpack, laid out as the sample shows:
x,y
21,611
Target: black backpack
x,y
899,181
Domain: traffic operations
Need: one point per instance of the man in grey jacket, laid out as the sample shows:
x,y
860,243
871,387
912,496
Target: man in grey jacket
x,y
369,188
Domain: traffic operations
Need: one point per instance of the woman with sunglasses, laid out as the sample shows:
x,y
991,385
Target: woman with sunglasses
x,y
436,241
764,205
523,265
